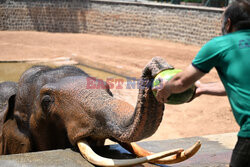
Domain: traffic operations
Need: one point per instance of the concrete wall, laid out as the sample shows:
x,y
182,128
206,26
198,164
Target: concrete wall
x,y
192,25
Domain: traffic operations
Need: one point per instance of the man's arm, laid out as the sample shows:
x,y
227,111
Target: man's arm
x,y
214,88
183,80
179,83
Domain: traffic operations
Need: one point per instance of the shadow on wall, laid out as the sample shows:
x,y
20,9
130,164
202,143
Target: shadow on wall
x,y
51,16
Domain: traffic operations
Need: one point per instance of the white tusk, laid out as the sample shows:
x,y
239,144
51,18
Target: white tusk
x,y
140,152
95,159
182,157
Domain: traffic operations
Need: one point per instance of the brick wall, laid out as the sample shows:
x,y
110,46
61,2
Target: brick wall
x,y
192,25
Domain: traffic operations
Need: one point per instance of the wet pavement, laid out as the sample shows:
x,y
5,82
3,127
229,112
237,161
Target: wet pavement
x,y
215,152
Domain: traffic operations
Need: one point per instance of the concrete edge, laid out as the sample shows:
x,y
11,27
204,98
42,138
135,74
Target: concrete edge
x,y
155,4
213,152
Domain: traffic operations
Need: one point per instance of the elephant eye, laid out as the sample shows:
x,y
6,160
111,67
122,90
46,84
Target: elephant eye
x,y
46,102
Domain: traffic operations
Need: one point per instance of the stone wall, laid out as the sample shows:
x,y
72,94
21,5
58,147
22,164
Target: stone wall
x,y
44,15
192,25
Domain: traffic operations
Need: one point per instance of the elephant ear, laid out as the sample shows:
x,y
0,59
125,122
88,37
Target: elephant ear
x,y
12,140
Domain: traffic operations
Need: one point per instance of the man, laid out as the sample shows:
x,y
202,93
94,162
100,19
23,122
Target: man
x,y
230,55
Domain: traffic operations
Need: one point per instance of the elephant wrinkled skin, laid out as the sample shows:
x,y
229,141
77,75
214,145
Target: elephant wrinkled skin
x,y
51,108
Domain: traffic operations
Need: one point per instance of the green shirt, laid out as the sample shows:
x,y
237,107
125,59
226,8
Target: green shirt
x,y
230,55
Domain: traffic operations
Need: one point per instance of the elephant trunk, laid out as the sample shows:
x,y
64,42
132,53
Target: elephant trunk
x,y
141,122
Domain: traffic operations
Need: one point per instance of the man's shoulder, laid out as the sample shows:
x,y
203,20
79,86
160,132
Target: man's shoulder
x,y
222,38
216,42
228,39
233,35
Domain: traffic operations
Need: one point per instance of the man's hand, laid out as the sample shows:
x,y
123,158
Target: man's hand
x,y
198,90
162,91
178,84
213,88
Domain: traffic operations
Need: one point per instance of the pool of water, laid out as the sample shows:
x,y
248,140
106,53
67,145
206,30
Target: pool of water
x,y
13,71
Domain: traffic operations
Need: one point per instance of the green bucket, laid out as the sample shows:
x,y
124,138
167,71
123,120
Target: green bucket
x,y
179,98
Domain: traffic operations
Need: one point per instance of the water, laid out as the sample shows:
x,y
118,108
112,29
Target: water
x,y
13,71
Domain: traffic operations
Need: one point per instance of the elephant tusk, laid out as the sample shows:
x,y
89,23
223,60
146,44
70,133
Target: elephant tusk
x,y
95,159
140,152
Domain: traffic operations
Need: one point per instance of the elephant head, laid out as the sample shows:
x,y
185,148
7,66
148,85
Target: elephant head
x,y
62,102
53,108
11,139
8,91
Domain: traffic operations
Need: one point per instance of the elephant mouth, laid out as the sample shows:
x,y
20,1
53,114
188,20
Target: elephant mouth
x,y
165,157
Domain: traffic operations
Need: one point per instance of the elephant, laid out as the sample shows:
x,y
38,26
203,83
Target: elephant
x,y
51,108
